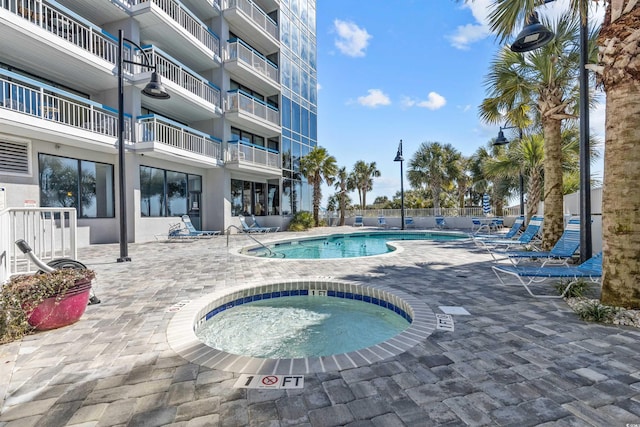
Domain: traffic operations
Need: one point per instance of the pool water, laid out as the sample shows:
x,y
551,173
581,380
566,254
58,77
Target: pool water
x,y
346,245
300,326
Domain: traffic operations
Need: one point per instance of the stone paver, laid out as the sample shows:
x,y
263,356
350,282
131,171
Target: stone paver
x,y
514,360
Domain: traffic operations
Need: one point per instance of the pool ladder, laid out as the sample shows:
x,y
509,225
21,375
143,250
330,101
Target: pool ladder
x,y
240,231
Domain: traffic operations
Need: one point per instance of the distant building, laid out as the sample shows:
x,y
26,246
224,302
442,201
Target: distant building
x,y
243,110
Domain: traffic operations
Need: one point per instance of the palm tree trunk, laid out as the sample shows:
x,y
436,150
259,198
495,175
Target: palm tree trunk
x,y
621,197
553,195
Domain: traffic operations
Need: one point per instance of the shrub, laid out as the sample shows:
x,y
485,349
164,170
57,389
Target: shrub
x,y
579,289
301,221
593,311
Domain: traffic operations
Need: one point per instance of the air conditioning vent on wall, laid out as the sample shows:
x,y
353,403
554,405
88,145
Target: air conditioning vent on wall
x,y
14,158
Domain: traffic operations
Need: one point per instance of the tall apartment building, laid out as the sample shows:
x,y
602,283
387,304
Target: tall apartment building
x,y
242,111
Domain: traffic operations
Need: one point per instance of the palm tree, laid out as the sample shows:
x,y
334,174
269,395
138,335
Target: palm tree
x,y
434,165
318,166
361,179
342,196
541,85
617,72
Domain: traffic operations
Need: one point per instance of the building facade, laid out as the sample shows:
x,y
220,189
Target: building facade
x,y
242,80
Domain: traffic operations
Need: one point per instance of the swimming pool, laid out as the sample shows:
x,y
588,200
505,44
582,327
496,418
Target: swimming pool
x,y
182,337
345,245
302,326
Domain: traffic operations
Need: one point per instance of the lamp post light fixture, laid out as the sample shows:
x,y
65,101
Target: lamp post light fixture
x,y
502,140
153,89
400,159
535,36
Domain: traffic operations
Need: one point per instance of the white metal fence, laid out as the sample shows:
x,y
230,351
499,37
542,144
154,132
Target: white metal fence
x,y
51,233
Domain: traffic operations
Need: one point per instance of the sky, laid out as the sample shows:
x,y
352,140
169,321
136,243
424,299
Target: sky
x,y
410,70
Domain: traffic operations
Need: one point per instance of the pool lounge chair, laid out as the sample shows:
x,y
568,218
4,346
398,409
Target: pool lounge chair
x,y
358,221
530,236
193,232
440,222
513,232
382,222
590,270
256,224
246,228
408,222
562,251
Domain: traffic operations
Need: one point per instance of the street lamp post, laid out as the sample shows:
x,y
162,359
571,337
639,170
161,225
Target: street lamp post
x,y
533,36
153,89
502,140
400,159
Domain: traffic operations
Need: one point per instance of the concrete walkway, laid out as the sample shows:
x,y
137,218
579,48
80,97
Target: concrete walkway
x,y
513,361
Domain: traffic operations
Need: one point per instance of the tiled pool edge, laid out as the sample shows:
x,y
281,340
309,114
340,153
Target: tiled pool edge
x,y
183,340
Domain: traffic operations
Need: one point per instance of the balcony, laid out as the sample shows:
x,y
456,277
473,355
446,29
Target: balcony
x,y
204,8
182,34
38,111
252,114
163,138
252,24
47,40
251,67
193,98
244,156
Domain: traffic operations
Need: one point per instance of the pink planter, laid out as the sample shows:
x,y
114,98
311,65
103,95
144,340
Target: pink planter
x,y
52,314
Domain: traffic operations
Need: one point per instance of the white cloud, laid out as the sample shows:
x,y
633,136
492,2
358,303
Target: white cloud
x,y
374,99
352,40
434,101
470,33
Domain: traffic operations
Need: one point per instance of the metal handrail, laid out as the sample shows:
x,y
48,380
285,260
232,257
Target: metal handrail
x,y
248,235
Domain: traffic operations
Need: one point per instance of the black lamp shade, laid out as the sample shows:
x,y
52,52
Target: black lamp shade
x,y
501,140
154,88
533,36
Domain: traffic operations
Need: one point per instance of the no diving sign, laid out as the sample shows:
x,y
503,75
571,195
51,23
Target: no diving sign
x,y
269,381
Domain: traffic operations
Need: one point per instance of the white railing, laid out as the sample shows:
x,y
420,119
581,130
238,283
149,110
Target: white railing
x,y
56,21
238,50
431,212
257,15
158,129
27,96
247,153
51,233
237,100
195,27
185,78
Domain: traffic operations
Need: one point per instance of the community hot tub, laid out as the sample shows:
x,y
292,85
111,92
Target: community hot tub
x,y
183,329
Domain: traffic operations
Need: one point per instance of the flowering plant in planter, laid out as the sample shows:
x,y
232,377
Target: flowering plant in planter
x,y
29,302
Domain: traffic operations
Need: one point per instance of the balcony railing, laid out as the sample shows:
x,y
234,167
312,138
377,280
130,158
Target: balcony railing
x,y
237,49
154,128
183,77
257,15
244,152
60,23
189,22
238,100
24,95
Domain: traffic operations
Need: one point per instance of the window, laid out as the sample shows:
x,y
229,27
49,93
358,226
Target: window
x,y
81,184
254,198
165,193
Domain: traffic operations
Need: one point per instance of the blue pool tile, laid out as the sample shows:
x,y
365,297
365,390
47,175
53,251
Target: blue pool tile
x,y
304,292
331,293
285,293
358,297
348,295
340,294
275,294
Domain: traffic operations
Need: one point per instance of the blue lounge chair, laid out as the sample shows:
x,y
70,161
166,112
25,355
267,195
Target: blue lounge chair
x,y
440,222
193,232
408,222
589,270
246,228
561,252
530,236
269,229
358,221
513,232
382,222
